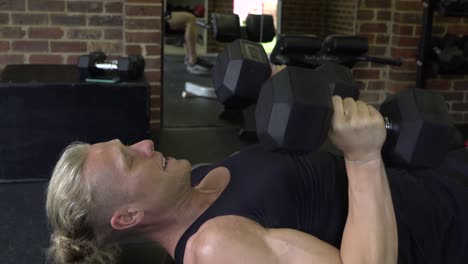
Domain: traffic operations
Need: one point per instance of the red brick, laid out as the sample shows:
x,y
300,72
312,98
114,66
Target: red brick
x,y
453,96
107,21
407,65
373,28
460,107
151,63
30,19
84,34
370,97
113,34
153,76
114,7
65,46
68,20
384,16
72,59
11,59
143,23
370,37
25,45
109,48
143,37
402,76
152,50
85,7
395,87
405,41
133,50
460,85
143,10
145,1
366,74
403,53
408,18
45,33
403,30
365,14
437,84
378,3
155,102
4,19
12,32
382,39
46,59
377,51
12,5
457,29
376,85
156,89
409,6
155,124
46,5
4,46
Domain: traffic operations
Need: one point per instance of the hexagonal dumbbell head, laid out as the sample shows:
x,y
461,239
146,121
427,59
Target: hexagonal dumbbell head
x,y
240,70
421,129
294,107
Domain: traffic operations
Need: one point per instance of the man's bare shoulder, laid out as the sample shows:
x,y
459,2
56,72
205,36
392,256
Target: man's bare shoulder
x,y
235,239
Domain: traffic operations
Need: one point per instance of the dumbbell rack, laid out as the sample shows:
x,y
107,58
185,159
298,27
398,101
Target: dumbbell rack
x,y
425,45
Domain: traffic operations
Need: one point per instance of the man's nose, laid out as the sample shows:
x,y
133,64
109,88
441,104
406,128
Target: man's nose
x,y
145,146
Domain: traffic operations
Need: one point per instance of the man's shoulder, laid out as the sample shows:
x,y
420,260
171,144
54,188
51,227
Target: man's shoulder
x,y
226,234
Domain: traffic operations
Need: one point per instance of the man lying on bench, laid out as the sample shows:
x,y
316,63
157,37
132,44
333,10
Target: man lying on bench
x,y
262,207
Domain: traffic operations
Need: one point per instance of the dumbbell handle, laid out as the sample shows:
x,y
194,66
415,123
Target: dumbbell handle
x,y
391,126
109,65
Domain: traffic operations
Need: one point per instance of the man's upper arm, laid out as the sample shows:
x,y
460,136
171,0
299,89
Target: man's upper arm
x,y
248,242
228,246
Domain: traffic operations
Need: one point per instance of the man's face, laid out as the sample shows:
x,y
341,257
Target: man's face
x,y
149,180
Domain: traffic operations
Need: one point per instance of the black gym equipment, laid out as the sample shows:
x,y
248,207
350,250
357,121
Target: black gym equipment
x,y
420,129
95,65
292,117
240,70
294,108
448,55
453,7
303,51
45,107
226,28
243,67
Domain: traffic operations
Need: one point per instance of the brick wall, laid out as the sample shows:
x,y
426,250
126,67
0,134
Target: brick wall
x,y
57,32
394,29
303,17
340,17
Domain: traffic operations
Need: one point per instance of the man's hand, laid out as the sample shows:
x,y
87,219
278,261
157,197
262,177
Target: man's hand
x,y
357,129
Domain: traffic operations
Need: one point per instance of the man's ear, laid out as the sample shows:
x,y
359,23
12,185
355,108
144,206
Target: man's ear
x,y
125,218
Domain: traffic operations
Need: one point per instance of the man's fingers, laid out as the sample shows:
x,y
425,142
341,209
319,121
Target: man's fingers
x,y
363,110
350,108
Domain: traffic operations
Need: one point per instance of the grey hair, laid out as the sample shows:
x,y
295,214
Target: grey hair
x,y
70,209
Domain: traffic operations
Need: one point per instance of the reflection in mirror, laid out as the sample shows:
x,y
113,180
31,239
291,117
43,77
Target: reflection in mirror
x,y
180,77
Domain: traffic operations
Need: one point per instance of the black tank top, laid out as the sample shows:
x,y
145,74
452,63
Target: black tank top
x,y
309,193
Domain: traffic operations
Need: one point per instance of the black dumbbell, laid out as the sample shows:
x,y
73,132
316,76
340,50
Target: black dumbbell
x,y
294,112
95,65
420,130
294,108
226,28
239,72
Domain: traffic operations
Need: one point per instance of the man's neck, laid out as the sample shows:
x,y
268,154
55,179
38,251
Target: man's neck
x,y
194,203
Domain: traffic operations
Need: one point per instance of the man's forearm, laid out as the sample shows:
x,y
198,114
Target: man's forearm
x,y
370,234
